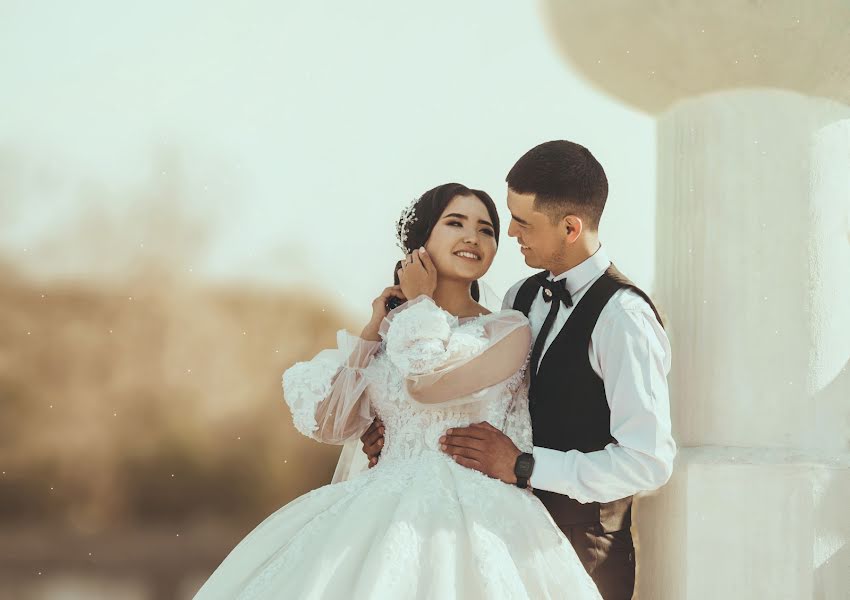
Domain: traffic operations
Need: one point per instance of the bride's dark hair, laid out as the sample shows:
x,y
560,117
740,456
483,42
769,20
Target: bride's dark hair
x,y
415,225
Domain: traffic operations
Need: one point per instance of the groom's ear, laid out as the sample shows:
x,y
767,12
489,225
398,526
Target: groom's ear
x,y
572,226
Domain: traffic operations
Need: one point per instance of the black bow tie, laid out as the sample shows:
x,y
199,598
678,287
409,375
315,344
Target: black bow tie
x,y
555,289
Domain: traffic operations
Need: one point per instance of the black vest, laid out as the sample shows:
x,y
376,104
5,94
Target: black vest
x,y
569,410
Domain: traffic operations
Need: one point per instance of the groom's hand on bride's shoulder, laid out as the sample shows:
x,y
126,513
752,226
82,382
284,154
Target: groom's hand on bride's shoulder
x,y
484,448
373,441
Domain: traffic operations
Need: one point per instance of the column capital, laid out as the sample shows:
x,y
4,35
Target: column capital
x,y
654,53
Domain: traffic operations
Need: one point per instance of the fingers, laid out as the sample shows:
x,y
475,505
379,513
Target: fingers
x,y
390,292
372,427
412,260
375,449
405,265
373,440
414,276
415,263
477,433
379,303
419,260
427,263
450,441
465,451
484,425
372,437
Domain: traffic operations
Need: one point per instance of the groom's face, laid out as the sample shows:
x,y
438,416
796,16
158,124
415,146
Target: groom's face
x,y
541,241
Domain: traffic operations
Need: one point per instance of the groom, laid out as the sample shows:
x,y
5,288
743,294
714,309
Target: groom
x,y
599,361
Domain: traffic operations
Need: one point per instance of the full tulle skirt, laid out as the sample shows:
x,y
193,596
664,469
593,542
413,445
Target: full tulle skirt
x,y
415,528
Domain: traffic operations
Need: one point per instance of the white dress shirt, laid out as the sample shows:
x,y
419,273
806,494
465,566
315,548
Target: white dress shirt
x,y
629,350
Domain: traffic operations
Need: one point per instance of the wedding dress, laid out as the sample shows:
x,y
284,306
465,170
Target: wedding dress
x,y
417,525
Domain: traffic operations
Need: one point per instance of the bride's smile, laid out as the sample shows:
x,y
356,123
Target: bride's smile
x,y
463,243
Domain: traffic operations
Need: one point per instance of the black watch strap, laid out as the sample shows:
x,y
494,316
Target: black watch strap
x,y
523,468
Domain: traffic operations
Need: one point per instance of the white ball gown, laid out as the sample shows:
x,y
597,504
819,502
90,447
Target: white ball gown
x,y
417,525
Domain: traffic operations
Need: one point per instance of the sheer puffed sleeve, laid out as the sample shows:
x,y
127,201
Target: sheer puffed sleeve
x,y
327,395
444,363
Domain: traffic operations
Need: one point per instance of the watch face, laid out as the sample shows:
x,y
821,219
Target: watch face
x,y
524,465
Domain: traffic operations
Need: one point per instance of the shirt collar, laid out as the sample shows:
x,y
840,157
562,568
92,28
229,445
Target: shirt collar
x,y
584,272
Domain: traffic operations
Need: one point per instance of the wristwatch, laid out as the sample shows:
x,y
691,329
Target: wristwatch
x,y
522,469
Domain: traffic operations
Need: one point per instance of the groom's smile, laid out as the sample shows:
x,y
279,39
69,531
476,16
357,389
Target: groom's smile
x,y
546,238
526,223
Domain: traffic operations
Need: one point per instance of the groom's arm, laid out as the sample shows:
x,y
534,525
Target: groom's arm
x,y
632,354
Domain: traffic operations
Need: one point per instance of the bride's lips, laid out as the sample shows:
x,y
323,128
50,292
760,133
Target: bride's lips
x,y
467,255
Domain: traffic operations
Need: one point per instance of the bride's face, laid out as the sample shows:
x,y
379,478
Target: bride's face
x,y
463,243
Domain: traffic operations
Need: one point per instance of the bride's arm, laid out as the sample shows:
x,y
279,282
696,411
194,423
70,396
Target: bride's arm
x,y
327,395
496,363
441,363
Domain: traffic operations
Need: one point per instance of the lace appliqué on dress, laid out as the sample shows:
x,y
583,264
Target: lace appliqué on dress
x,y
517,425
305,384
327,395
416,341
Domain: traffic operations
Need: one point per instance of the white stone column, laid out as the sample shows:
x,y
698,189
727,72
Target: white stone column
x,y
753,264
753,260
753,273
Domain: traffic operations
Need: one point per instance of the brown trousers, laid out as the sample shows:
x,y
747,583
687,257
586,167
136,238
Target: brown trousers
x,y
608,557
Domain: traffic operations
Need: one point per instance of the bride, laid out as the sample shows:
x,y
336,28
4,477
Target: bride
x,y
416,525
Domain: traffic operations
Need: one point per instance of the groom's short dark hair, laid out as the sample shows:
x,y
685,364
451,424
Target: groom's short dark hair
x,y
565,178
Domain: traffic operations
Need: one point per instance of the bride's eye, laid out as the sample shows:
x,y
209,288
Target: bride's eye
x,y
485,231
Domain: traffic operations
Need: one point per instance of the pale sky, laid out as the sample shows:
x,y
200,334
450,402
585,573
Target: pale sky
x,y
300,128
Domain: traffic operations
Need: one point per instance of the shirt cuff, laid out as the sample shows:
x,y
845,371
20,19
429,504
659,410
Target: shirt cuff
x,y
549,473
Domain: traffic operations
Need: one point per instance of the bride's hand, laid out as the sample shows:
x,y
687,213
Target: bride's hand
x,y
417,275
379,311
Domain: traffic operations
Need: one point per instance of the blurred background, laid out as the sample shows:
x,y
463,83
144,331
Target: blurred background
x,y
193,196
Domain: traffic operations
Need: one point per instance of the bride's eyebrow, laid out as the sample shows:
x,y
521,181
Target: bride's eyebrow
x,y
460,216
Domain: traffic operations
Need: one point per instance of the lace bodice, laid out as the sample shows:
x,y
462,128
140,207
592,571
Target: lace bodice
x,y
412,427
432,371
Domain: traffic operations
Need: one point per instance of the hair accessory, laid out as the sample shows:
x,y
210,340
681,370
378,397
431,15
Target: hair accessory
x,y
408,217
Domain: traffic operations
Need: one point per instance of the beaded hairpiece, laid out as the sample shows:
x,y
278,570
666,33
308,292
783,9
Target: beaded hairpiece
x,y
408,217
